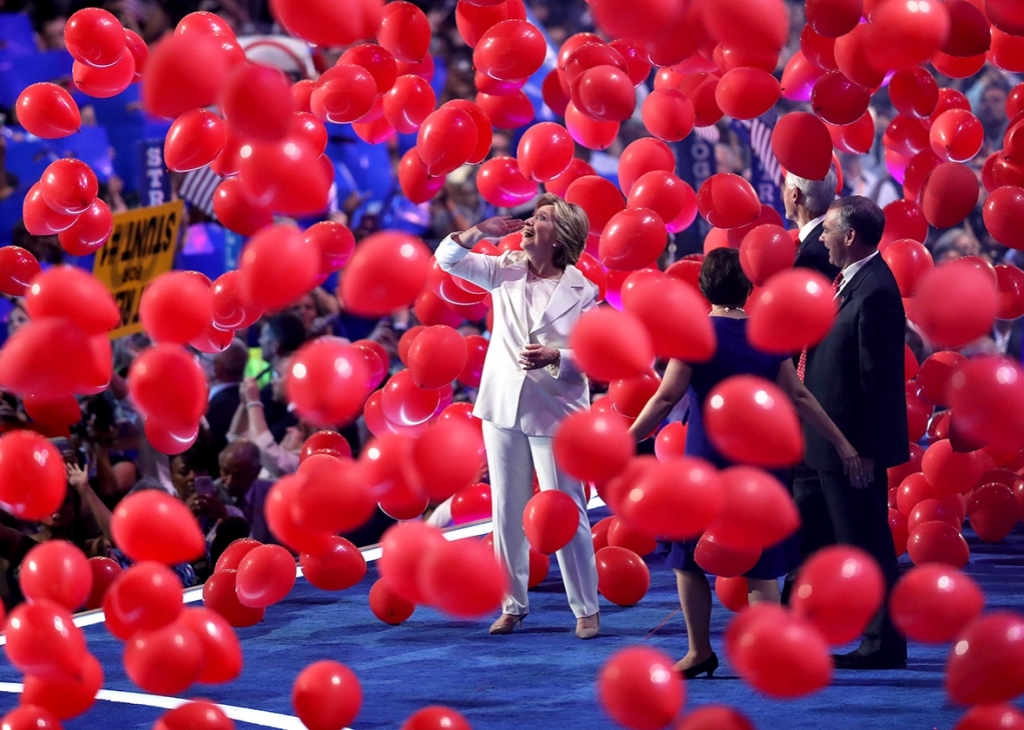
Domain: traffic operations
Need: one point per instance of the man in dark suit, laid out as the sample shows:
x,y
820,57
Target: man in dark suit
x,y
806,202
228,369
856,373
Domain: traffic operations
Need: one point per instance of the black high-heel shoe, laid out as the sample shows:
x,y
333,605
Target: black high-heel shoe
x,y
709,666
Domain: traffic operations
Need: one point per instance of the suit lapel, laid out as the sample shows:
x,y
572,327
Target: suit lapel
x,y
862,274
567,293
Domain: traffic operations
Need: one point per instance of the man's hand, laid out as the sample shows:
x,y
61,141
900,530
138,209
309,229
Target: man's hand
x,y
77,477
533,357
867,474
249,390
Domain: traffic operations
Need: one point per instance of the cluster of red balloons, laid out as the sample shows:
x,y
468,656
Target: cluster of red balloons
x,y
64,203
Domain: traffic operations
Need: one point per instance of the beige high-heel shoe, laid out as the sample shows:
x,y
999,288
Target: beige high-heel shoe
x,y
588,627
506,623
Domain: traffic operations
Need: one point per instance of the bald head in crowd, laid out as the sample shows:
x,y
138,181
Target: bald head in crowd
x,y
229,365
239,466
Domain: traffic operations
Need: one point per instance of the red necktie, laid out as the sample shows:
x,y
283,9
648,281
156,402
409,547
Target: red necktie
x,y
801,366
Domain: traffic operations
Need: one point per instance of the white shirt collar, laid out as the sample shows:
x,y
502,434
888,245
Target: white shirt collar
x,y
851,270
806,228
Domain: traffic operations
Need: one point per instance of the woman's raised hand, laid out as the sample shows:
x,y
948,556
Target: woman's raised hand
x,y
498,226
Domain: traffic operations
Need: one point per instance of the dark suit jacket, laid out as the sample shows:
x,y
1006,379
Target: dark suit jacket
x,y
812,254
856,373
1015,347
219,413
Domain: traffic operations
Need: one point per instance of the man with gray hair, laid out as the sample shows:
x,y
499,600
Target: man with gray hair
x,y
806,203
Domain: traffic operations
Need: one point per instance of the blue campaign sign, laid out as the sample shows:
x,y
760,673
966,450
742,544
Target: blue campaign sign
x,y
695,163
155,182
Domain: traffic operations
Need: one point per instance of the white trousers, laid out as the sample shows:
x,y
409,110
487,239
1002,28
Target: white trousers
x,y
512,457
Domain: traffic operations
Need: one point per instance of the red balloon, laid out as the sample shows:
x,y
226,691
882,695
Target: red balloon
x,y
90,231
58,571
196,715
909,260
913,92
511,49
265,576
938,542
472,503
195,139
33,479
334,498
986,666
416,184
288,176
145,597
986,393
956,135
757,510
837,100
446,139
219,595
387,605
502,184
545,151
70,292
184,72
168,385
794,309
42,640
833,18
763,24
716,717
605,93
778,653
903,35
176,307
408,103
993,511
727,200
327,695
164,661
766,250
933,603
745,93
387,271
957,321
610,345
94,36
991,717
17,268
68,186
65,697
375,59
222,653
104,572
404,31
623,577
345,93
29,717
327,24
642,156
551,519
624,534
750,420
591,133
325,381
639,688
48,111
599,198
632,239
592,446
949,195
677,499
1004,215
668,114
839,589
724,561
436,717
462,578
448,457
153,525
799,77
404,547
482,121
340,568
802,144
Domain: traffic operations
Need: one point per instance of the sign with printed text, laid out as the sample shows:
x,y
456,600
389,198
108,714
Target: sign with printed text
x,y
140,248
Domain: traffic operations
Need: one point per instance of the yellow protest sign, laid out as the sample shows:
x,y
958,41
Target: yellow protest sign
x,y
140,248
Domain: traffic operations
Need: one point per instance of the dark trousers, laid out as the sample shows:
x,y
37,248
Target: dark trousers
x,y
834,512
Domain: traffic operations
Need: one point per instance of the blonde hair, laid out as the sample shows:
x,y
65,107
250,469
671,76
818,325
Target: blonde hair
x,y
571,229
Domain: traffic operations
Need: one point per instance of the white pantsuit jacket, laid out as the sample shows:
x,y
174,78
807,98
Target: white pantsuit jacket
x,y
532,401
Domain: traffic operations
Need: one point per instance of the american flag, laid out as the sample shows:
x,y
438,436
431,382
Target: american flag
x,y
760,129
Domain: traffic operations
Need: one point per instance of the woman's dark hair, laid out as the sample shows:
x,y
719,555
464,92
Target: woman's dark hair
x,y
722,280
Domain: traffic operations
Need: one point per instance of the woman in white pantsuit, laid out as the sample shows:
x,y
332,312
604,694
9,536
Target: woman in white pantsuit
x,y
529,384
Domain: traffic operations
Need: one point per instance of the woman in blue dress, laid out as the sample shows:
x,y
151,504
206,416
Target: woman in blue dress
x,y
725,286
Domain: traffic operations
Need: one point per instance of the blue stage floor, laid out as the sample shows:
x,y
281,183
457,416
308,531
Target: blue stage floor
x,y
539,677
